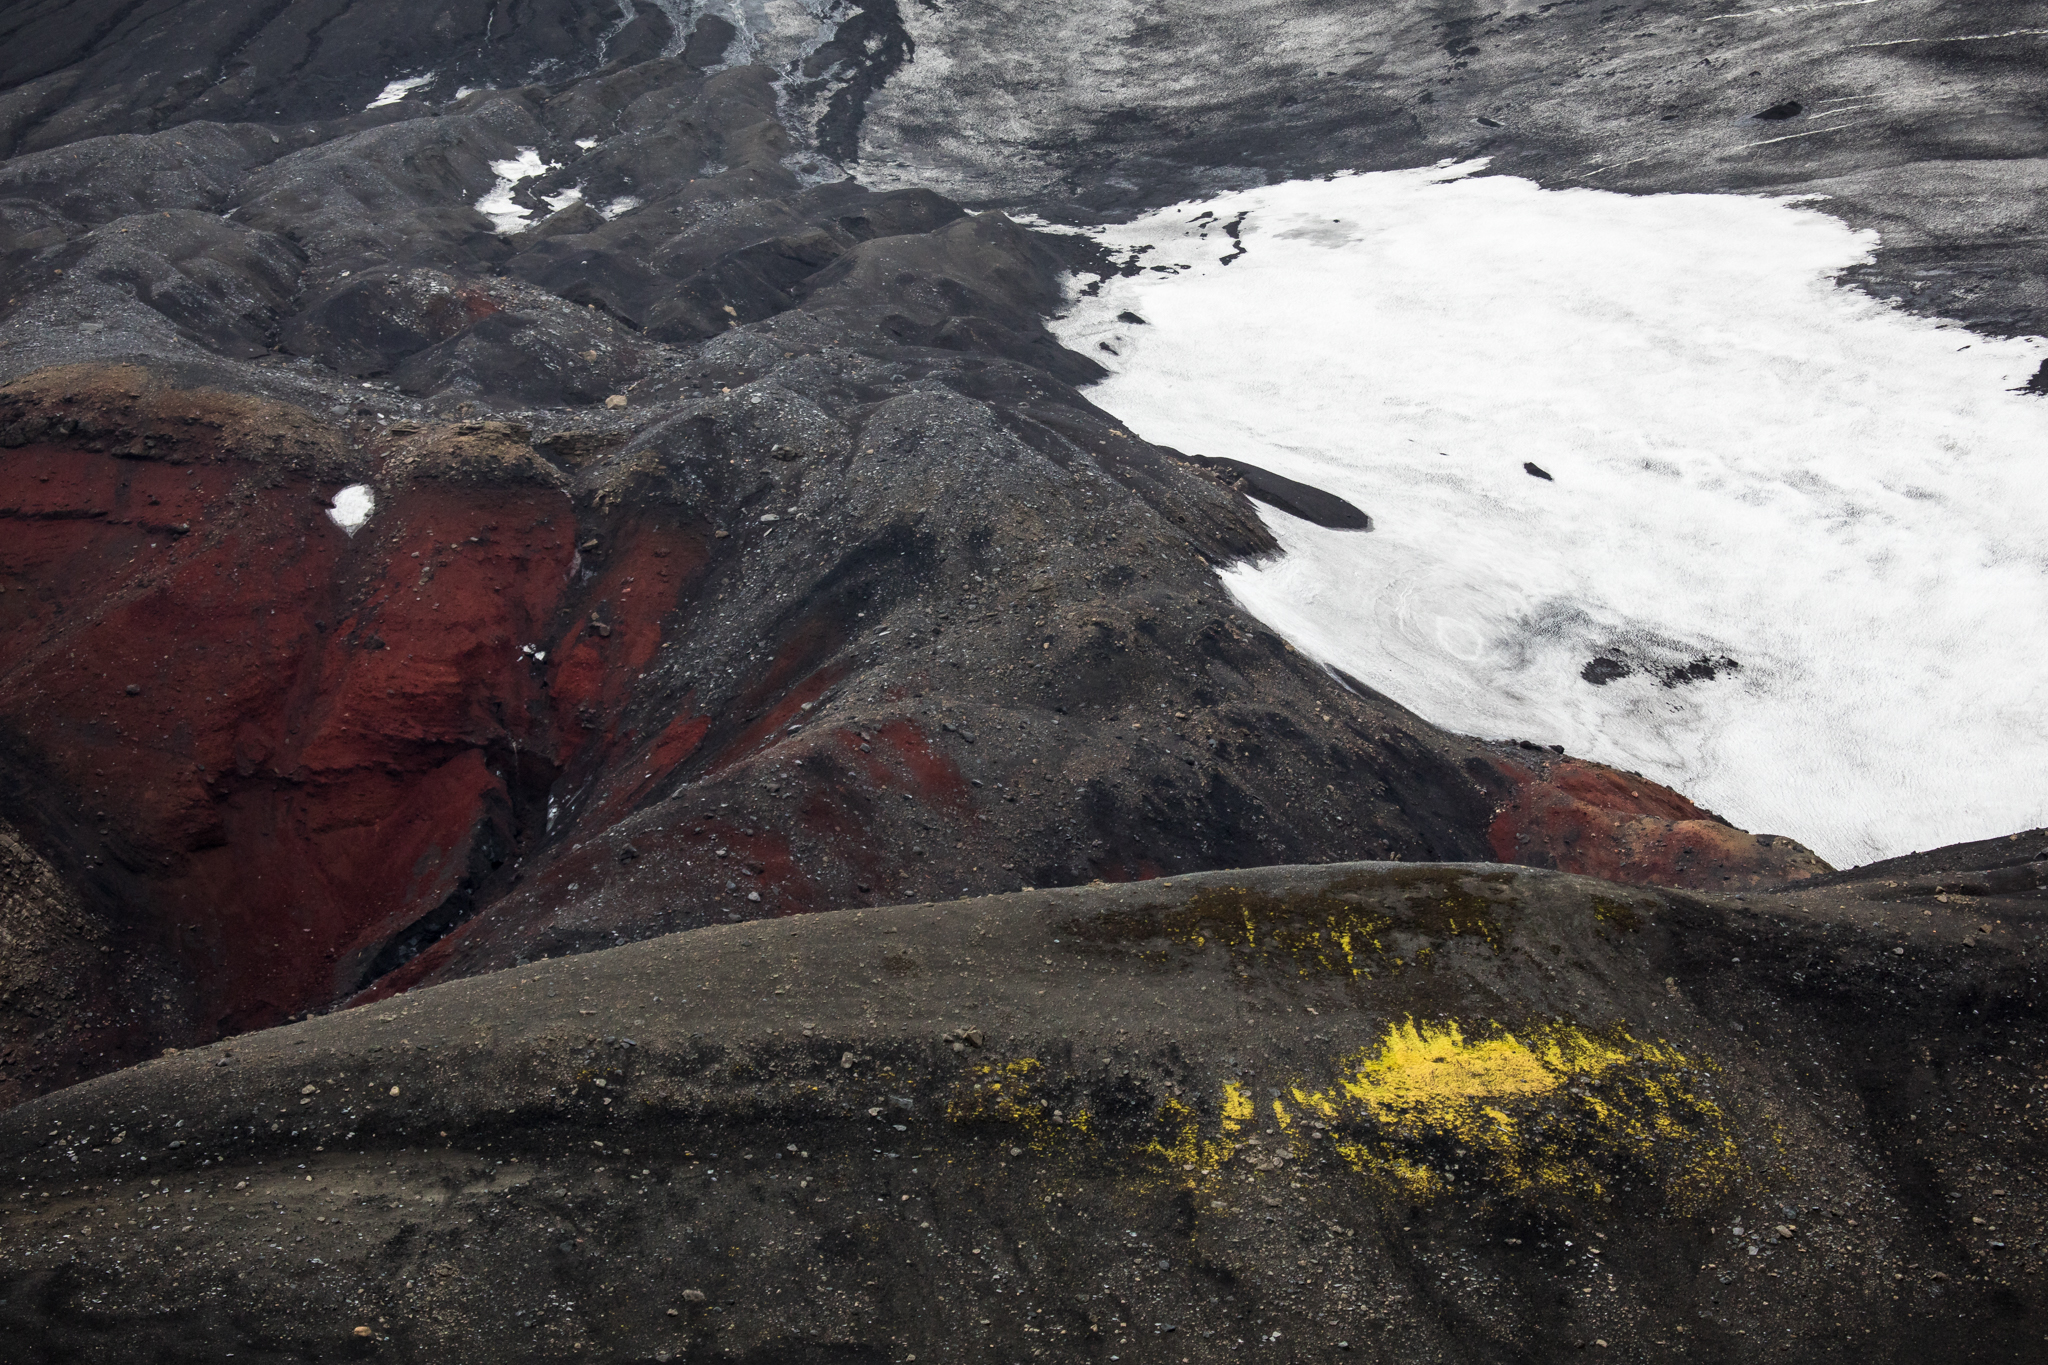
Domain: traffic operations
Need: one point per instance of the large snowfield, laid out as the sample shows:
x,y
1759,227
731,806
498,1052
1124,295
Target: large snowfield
x,y
1747,463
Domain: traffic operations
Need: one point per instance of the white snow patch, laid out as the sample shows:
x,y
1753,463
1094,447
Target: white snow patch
x,y
1038,224
508,215
623,204
352,507
586,143
1748,462
398,90
557,202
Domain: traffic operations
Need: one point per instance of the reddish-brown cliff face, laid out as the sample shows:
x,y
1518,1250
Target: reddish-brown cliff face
x,y
516,713
1580,817
265,746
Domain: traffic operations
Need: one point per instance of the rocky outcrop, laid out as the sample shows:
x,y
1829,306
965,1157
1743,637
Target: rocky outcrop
x,y
1364,1111
1581,817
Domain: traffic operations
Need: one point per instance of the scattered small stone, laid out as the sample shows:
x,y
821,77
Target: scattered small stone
x,y
693,1296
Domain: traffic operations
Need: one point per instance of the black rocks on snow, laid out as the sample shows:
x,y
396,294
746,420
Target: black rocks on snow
x,y
1602,670
1291,496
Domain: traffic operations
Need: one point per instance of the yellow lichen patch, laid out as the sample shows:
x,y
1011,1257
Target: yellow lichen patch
x,y
1180,1138
1237,1106
1003,1093
1554,1110
1313,933
1418,1068
1626,918
1321,933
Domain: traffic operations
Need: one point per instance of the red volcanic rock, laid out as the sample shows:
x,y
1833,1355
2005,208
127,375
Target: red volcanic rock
x,y
1581,817
298,742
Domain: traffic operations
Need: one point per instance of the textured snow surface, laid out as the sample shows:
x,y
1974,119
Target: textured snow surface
x,y
352,507
1747,463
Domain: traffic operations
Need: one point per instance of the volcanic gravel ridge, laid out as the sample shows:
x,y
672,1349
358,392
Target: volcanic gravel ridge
x,y
1371,1111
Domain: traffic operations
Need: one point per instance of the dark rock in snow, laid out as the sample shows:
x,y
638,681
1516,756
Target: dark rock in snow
x,y
1603,670
1289,495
